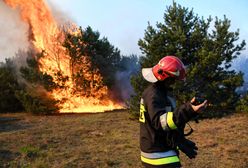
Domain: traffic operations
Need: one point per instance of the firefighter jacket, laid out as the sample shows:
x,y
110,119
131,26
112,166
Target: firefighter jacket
x,y
159,122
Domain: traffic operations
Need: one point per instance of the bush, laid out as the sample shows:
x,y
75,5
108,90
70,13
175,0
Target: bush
x,y
37,102
242,105
8,87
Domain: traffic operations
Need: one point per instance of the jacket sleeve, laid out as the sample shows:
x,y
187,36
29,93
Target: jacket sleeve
x,y
161,118
183,114
177,119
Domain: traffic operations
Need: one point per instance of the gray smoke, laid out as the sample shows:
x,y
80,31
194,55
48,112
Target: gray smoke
x,y
13,32
123,87
60,16
241,64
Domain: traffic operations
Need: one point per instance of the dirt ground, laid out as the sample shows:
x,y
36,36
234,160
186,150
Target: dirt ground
x,y
111,140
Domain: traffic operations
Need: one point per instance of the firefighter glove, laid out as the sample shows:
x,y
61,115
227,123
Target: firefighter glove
x,y
188,147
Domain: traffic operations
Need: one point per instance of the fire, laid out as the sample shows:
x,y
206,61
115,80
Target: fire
x,y
45,35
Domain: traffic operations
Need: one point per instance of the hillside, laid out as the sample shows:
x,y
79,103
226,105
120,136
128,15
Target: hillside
x,y
110,140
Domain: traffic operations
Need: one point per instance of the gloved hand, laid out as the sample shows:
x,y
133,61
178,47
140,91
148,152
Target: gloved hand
x,y
188,147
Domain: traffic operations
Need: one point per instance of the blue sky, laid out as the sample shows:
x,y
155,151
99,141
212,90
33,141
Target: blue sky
x,y
123,22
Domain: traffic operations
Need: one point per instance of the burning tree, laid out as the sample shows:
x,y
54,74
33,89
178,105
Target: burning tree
x,y
86,79
69,76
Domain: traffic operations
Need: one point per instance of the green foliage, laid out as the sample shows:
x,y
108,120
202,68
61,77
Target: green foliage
x,y
8,87
29,151
207,54
129,63
139,85
37,101
242,105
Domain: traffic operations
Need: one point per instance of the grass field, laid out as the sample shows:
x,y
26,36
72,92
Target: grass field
x,y
111,140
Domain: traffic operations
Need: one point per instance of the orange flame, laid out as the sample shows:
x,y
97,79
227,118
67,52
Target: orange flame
x,y
44,34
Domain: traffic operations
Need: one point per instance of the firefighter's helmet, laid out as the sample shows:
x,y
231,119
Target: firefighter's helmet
x,y
169,66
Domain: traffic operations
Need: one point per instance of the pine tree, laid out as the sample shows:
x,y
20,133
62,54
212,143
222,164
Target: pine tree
x,y
8,87
207,53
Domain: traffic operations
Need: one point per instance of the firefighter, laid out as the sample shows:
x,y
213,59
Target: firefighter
x,y
161,123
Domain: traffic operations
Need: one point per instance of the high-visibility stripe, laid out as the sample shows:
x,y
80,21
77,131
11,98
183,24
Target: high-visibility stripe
x,y
142,111
142,107
167,122
170,121
157,155
161,161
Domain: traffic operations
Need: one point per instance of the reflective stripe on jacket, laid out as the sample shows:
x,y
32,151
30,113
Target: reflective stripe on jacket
x,y
160,158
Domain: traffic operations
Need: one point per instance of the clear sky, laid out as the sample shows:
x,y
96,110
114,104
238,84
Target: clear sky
x,y
123,22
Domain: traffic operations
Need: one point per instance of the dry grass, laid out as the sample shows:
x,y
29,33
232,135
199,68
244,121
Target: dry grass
x,y
110,140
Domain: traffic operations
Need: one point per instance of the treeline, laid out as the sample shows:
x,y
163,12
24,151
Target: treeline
x,y
26,88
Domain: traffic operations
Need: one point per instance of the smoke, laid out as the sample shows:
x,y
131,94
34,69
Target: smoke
x,y
123,87
241,64
123,84
60,16
13,32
